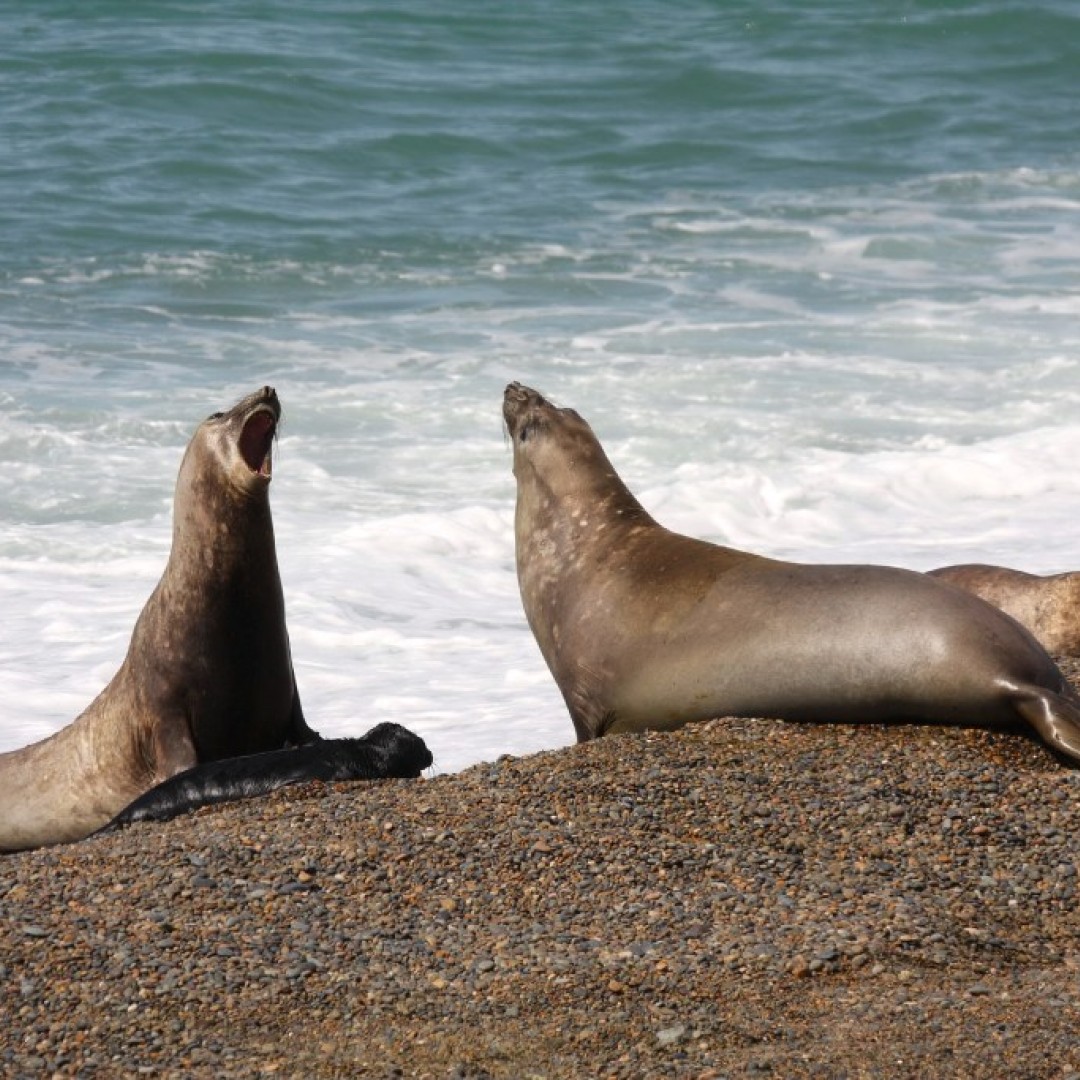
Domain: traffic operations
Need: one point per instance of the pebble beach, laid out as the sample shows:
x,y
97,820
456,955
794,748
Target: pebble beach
x,y
738,898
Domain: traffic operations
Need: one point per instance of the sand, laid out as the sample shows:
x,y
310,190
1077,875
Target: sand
x,y
739,898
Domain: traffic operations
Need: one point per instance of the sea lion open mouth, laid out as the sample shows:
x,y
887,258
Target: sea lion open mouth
x,y
257,440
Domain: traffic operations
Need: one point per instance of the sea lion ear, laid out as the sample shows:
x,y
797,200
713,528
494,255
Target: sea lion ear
x,y
526,430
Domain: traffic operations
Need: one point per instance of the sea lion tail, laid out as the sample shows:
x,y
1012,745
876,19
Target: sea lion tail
x,y
1055,717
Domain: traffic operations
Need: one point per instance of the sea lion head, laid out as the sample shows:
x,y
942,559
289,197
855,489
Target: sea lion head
x,y
235,448
242,439
558,460
551,445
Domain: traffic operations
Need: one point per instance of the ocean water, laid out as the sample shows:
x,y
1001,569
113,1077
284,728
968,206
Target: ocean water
x,y
812,272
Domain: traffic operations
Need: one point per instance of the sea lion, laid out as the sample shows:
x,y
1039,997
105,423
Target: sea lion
x,y
386,751
1049,606
208,673
643,628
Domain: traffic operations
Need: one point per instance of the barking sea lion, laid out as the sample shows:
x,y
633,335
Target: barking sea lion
x,y
208,672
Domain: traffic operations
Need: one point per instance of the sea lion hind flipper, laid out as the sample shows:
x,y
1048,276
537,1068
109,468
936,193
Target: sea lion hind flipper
x,y
1055,717
387,751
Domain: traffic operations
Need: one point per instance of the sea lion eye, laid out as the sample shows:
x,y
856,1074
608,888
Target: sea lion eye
x,y
215,416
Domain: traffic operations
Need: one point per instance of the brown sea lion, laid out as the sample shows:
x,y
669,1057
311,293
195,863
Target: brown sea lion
x,y
208,673
1049,606
644,628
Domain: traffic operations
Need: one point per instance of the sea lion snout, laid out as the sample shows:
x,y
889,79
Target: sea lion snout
x,y
520,402
264,398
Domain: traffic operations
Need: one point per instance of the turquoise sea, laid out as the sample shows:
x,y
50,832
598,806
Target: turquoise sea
x,y
811,271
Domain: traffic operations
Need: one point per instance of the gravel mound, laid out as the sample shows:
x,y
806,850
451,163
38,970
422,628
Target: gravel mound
x,y
739,898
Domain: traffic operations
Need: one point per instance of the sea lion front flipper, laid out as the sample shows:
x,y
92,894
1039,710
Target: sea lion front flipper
x,y
172,749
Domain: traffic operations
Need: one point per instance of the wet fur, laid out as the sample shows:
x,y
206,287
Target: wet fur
x,y
387,750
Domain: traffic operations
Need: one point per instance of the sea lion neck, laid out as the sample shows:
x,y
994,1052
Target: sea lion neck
x,y
597,503
216,526
221,506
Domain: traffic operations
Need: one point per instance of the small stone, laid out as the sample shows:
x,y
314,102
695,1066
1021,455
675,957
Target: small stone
x,y
669,1035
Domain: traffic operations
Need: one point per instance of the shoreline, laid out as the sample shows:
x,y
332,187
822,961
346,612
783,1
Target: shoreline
x,y
740,897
